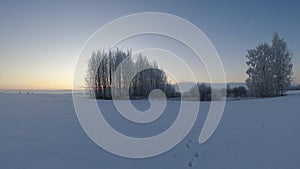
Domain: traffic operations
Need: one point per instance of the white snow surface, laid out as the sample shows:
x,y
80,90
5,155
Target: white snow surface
x,y
42,132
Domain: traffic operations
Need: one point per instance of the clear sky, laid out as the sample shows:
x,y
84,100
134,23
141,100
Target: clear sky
x,y
40,40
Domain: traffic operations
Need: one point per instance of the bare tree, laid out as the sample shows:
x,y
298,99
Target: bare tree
x,y
114,69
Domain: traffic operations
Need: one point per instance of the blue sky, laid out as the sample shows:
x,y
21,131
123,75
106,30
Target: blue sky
x,y
41,40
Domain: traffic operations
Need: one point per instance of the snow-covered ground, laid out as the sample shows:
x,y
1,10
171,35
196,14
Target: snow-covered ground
x,y
42,132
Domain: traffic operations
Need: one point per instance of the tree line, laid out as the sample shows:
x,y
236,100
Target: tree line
x,y
116,73
204,92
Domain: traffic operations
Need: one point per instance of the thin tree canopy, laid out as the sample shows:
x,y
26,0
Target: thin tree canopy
x,y
114,73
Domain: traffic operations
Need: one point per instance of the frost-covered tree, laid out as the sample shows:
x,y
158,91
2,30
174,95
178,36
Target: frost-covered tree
x,y
270,69
112,73
282,66
260,73
91,74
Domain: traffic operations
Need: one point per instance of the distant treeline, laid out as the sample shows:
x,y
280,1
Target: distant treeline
x,y
295,87
205,92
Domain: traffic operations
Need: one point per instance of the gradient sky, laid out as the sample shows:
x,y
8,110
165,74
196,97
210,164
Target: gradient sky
x,y
41,40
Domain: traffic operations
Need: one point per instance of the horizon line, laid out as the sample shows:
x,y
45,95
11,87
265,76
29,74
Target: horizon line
x,y
294,83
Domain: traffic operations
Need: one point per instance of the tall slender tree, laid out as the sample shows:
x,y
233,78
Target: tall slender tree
x,y
282,65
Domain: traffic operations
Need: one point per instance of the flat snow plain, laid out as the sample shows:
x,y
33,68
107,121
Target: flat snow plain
x,y
42,132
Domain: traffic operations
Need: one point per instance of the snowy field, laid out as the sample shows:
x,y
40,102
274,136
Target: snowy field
x,y
42,132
